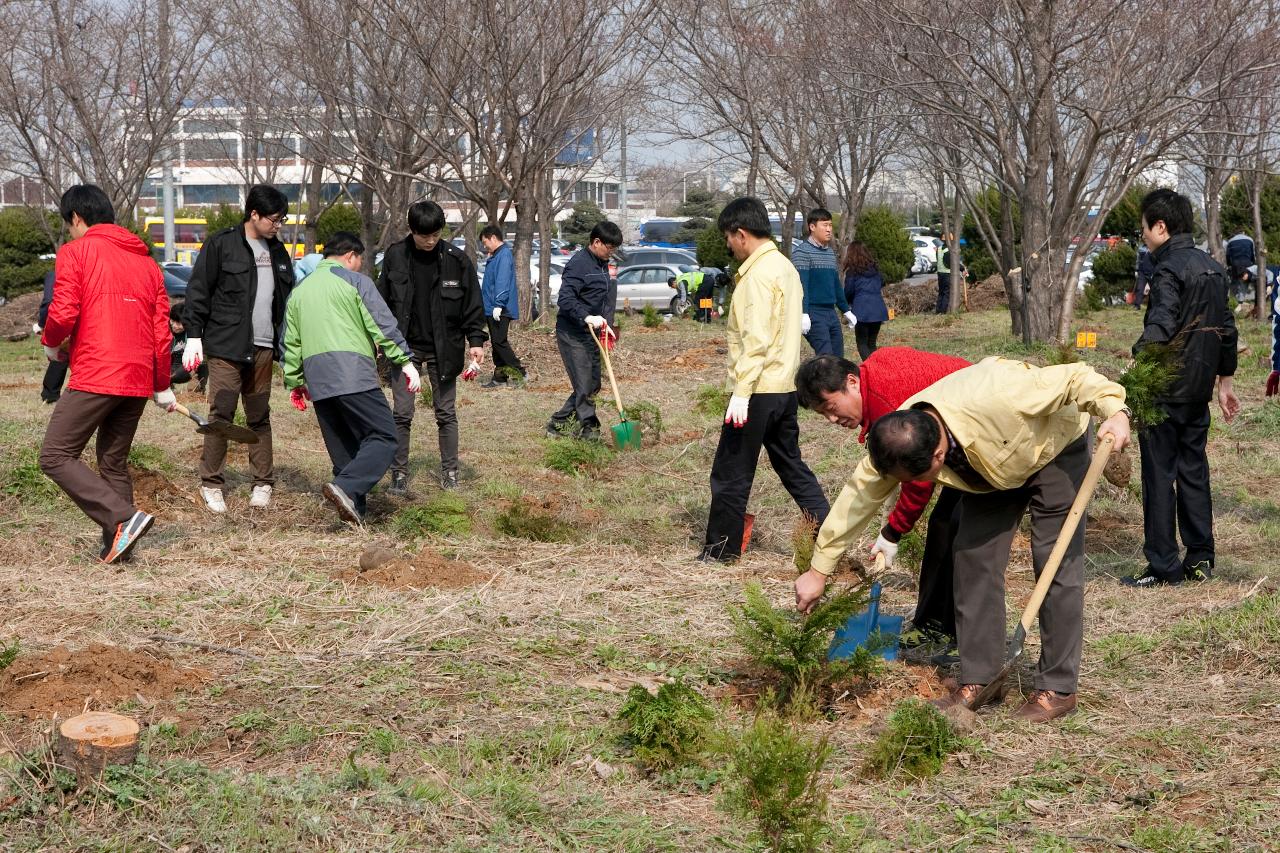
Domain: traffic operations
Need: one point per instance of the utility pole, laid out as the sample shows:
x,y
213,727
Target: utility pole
x,y
170,251
622,185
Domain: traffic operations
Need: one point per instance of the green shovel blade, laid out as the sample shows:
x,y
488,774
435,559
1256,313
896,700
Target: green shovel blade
x,y
626,434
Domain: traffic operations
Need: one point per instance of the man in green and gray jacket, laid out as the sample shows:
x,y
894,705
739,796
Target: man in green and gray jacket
x,y
333,322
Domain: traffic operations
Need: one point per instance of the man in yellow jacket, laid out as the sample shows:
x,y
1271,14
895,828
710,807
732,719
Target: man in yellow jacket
x,y
1009,436
764,354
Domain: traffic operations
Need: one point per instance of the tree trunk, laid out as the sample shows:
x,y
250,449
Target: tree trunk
x,y
1213,181
368,228
1259,247
788,226
526,211
89,742
544,239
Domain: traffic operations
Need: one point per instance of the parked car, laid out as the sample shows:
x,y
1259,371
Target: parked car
x,y
176,277
646,284
632,256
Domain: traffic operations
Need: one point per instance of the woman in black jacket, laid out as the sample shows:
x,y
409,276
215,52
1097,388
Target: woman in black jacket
x,y
862,285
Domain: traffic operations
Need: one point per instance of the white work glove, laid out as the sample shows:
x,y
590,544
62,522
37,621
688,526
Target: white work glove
x,y
853,321
737,411
165,399
36,328
595,321
884,546
805,324
497,313
411,377
55,354
192,354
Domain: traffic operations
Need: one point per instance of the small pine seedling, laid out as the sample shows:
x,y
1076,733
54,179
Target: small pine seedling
x,y
803,536
666,730
443,515
915,741
651,318
522,521
711,400
1154,369
778,783
9,653
573,456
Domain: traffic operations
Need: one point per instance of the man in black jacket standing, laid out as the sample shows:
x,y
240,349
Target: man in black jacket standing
x,y
234,307
586,305
55,375
1188,303
430,286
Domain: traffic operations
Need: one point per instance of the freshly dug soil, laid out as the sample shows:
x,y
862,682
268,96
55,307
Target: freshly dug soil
x,y
427,569
1118,470
17,315
988,293
155,494
94,678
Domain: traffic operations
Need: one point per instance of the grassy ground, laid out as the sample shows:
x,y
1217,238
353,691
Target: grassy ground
x,y
340,715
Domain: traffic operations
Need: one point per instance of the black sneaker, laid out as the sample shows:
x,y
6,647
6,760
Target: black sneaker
x,y
590,435
1199,572
1150,579
449,480
342,503
399,484
127,535
949,656
559,429
493,383
915,637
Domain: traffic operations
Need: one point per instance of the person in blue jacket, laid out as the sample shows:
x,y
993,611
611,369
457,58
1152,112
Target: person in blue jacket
x,y
1273,280
824,302
501,306
862,285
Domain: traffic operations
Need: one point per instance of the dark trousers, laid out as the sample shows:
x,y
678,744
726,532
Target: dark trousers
x,y
771,423
825,335
105,495
1175,484
988,523
706,291
936,604
504,356
231,382
944,292
360,436
54,377
581,358
444,396
865,334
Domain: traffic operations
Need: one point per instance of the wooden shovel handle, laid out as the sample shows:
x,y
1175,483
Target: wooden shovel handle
x,y
183,410
608,366
1100,455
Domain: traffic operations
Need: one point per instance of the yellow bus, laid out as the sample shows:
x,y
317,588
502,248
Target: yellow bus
x,y
190,234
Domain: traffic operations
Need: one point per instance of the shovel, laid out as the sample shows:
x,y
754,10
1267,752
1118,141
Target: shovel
x,y
226,429
869,629
1100,457
627,433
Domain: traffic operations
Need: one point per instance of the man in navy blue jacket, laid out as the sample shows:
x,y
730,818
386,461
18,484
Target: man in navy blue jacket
x,y
586,304
56,373
501,306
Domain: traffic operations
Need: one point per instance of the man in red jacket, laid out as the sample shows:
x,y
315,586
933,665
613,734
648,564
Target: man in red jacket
x,y
110,317
854,397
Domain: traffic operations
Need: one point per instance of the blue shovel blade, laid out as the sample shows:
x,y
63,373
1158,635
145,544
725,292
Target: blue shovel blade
x,y
869,630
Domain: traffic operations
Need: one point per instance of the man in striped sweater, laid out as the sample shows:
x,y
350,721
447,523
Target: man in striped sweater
x,y
815,261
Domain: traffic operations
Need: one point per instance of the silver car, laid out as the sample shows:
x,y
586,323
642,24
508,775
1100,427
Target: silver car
x,y
646,284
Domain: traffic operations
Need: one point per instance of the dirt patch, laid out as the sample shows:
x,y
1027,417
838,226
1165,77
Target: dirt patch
x,y
98,677
154,493
17,315
988,293
427,569
861,701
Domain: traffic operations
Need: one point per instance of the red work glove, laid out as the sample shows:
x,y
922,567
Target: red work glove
x,y
608,337
472,371
1273,383
299,397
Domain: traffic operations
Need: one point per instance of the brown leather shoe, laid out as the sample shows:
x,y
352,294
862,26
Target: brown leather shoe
x,y
1045,705
965,694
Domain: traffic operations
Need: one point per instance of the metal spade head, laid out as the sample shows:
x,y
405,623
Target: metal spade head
x,y
226,429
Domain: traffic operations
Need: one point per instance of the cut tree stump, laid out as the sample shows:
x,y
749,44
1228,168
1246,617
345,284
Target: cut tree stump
x,y
90,742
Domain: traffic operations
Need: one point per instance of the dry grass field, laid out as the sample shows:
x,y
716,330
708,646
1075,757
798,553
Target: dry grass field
x,y
465,696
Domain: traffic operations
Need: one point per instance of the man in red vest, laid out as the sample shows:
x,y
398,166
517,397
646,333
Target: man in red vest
x,y
855,398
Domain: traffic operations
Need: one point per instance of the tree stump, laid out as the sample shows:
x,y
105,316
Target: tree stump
x,y
89,742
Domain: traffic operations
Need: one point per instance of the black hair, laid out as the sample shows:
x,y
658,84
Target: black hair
x,y
425,218
491,231
747,213
90,202
1174,209
266,200
904,442
818,214
671,281
823,373
606,232
341,243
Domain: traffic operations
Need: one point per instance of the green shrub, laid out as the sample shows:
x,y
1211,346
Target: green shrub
x,y
9,653
1154,369
712,250
23,239
651,318
444,515
777,782
340,217
26,482
1113,273
522,521
573,456
794,646
711,400
222,216
1091,299
668,729
980,264
915,741
881,230
149,456
648,415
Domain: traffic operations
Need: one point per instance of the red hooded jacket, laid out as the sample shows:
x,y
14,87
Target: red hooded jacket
x,y
888,378
109,299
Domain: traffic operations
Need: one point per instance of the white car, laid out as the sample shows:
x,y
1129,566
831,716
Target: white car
x,y
926,252
646,284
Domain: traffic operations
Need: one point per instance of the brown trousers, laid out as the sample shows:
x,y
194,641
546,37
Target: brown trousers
x,y
105,495
981,554
229,383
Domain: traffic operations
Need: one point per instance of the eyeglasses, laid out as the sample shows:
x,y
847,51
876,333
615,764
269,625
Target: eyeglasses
x,y
275,221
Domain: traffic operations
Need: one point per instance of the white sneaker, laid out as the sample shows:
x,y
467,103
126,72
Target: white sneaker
x,y
213,499
261,497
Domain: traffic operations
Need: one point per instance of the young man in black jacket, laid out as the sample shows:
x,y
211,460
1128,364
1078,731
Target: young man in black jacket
x,y
1188,304
430,286
585,308
234,307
